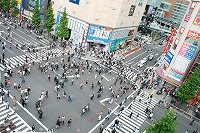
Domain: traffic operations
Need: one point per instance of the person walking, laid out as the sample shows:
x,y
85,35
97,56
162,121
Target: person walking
x,y
64,94
49,77
63,120
58,95
69,122
72,82
47,94
33,128
191,123
14,99
7,104
130,114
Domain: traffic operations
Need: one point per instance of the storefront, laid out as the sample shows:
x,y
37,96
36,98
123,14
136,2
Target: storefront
x,y
121,38
78,28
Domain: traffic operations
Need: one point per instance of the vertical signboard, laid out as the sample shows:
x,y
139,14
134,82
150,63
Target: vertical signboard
x,y
168,58
185,56
57,22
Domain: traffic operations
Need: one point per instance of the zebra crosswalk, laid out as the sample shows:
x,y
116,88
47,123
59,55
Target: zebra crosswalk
x,y
12,62
129,73
138,107
21,125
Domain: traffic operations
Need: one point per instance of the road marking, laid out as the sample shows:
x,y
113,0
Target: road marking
x,y
9,51
94,128
105,77
135,57
30,114
104,100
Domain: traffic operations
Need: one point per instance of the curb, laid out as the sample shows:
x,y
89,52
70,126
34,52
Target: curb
x,y
131,51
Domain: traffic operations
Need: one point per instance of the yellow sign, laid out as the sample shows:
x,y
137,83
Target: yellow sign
x,y
19,1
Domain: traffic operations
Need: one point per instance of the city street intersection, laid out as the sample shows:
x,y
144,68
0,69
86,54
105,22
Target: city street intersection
x,y
52,107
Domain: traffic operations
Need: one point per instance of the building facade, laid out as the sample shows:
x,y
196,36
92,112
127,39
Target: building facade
x,y
27,7
182,47
177,10
108,22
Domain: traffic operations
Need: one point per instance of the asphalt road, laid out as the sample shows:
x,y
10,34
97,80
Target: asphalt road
x,y
53,108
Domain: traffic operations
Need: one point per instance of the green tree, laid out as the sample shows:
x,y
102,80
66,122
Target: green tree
x,y
13,6
50,21
63,31
5,4
189,88
13,3
15,11
36,20
164,125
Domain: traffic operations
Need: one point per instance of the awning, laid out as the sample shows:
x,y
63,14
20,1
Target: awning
x,y
168,79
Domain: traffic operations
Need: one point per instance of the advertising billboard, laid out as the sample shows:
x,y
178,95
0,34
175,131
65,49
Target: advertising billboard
x,y
197,21
194,35
168,58
182,61
115,44
99,34
75,1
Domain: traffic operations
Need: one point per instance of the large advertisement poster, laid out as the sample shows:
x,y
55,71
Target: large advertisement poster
x,y
75,1
116,44
99,34
182,61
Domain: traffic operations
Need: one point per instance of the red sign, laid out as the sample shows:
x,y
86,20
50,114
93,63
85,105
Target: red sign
x,y
194,35
197,21
187,17
181,30
169,40
193,4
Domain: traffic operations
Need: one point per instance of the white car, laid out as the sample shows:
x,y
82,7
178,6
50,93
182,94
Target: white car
x,y
141,63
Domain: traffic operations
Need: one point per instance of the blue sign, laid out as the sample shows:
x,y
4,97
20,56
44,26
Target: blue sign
x,y
57,22
190,52
75,1
168,58
115,44
99,34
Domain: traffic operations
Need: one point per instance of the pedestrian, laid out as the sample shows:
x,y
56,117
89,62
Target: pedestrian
x,y
58,95
72,82
14,99
70,98
86,82
7,104
95,76
91,97
137,115
49,78
46,95
130,114
191,123
33,128
64,94
58,123
81,86
63,120
69,122
186,131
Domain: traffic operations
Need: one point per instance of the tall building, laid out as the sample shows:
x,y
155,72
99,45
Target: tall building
x,y
110,23
27,7
177,10
182,49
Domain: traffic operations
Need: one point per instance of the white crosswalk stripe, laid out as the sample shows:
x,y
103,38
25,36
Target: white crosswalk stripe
x,y
138,107
36,57
21,125
127,72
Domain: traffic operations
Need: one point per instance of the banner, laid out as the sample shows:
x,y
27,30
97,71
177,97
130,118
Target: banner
x,y
194,35
99,34
168,58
